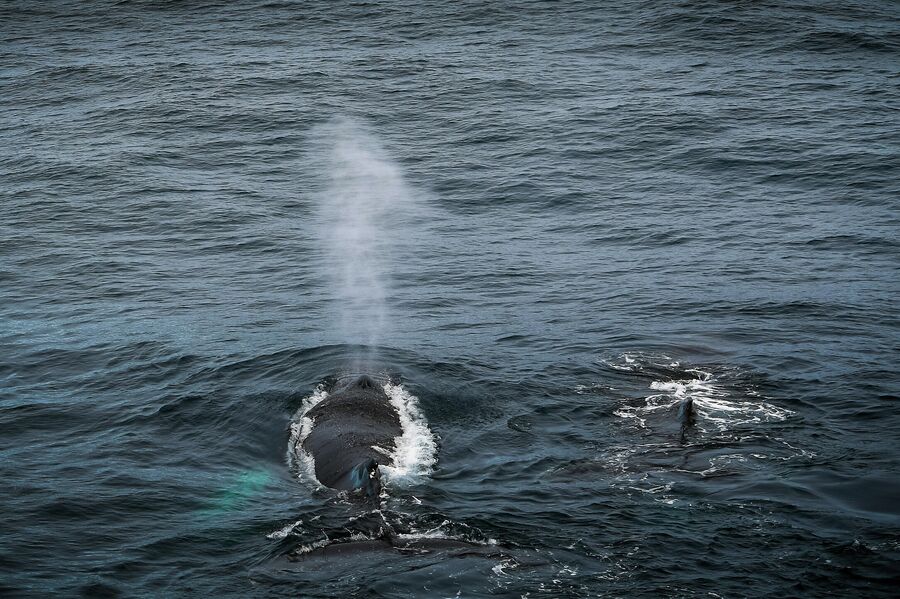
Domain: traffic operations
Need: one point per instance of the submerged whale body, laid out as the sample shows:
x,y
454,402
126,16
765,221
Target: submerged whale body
x,y
352,434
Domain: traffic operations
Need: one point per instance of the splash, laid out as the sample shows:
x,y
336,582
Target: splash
x,y
358,212
713,402
301,462
415,451
720,407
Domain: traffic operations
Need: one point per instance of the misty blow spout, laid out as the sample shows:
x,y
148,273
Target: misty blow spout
x,y
365,190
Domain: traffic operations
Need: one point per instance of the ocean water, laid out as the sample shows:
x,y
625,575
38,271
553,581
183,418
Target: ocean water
x,y
546,223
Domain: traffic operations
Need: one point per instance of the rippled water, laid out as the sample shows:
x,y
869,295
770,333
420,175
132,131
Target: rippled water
x,y
577,215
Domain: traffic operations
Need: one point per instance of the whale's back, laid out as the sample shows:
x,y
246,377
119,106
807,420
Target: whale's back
x,y
347,426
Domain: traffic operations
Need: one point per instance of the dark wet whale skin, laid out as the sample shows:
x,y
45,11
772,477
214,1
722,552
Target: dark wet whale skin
x,y
346,426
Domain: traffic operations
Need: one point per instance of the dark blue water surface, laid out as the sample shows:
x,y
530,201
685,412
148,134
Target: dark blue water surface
x,y
551,221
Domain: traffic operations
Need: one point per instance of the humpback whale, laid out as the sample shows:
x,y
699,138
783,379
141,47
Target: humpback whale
x,y
353,433
686,416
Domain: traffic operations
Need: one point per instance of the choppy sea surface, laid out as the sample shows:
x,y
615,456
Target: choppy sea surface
x,y
547,224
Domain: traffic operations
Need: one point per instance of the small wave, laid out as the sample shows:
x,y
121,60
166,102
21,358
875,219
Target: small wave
x,y
415,450
836,41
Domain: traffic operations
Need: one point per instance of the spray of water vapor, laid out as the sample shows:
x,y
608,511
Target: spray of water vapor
x,y
365,190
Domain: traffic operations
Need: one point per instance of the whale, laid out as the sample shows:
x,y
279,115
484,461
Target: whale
x,y
352,435
686,416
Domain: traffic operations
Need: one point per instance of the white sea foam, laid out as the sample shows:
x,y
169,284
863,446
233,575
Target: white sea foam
x,y
444,530
300,461
285,531
631,362
415,451
310,547
437,532
716,406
